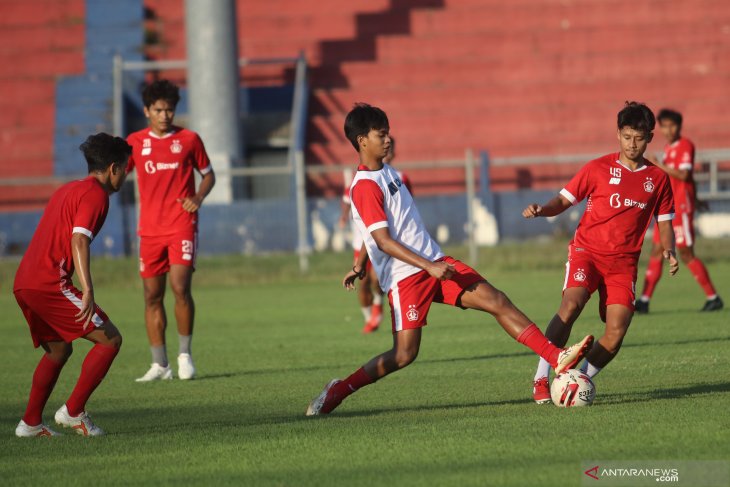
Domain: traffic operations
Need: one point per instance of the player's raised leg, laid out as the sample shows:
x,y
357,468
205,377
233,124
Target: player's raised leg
x,y
181,277
406,344
156,323
485,297
44,380
107,341
558,332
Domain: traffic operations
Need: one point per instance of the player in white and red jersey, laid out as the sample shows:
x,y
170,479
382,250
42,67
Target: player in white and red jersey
x,y
624,192
369,293
412,268
56,311
678,163
166,157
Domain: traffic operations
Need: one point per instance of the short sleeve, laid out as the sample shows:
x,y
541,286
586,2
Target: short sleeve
x,y
91,213
130,162
201,162
685,157
665,204
580,186
369,201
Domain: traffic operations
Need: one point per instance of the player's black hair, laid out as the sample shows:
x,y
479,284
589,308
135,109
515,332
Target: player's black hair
x,y
161,89
636,115
102,149
361,120
669,114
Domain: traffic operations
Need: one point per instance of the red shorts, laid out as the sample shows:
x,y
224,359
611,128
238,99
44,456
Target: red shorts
x,y
51,316
684,230
410,299
614,277
368,266
157,254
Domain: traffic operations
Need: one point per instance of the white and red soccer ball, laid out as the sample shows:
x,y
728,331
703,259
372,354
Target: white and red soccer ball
x,y
572,388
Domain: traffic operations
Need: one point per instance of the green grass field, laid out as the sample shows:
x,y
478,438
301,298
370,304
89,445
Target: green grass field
x,y
267,340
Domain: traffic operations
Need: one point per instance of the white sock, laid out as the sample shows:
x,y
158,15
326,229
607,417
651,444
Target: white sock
x,y
710,298
589,369
377,299
543,369
366,312
644,298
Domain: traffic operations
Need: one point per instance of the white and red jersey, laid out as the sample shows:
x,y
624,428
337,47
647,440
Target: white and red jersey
x,y
680,155
620,206
164,175
76,207
356,236
381,200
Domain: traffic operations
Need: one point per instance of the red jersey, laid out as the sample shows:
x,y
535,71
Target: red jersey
x,y
164,175
620,206
680,155
76,207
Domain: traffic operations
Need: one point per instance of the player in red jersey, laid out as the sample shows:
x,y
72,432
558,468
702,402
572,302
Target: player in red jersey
x,y
56,311
623,191
166,157
678,163
412,268
369,293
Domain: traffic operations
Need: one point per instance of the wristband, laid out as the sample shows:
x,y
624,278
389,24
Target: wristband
x,y
360,274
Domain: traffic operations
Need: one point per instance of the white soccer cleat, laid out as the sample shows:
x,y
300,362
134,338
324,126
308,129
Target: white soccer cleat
x,y
25,431
82,423
185,366
569,357
156,372
324,403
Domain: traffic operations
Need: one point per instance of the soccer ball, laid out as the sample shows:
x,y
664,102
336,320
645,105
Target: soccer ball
x,y
572,388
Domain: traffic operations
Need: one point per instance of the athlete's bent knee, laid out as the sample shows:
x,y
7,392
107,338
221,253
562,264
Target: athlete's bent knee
x,y
405,357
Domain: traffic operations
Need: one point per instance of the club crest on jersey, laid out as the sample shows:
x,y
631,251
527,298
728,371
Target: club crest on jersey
x,y
176,147
394,186
146,147
648,185
412,313
580,275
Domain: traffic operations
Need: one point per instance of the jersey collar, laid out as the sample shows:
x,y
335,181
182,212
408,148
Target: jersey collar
x,y
640,168
171,132
363,167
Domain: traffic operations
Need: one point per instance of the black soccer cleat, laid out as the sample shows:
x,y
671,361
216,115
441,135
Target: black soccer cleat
x,y
641,307
714,304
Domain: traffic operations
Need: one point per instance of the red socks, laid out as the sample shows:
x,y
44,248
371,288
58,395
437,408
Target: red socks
x,y
653,274
44,379
95,366
533,338
357,380
702,277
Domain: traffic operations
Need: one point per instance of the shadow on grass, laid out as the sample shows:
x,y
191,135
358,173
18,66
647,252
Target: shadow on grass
x,y
684,392
677,342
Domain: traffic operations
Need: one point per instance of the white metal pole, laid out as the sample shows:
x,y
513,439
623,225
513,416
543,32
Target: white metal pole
x,y
470,196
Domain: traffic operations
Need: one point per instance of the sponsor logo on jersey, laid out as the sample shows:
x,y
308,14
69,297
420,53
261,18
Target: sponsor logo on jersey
x,y
615,200
394,186
614,181
152,167
580,275
412,313
648,185
176,147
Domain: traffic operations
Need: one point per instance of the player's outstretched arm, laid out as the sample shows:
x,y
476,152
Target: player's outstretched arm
x,y
439,270
358,271
193,203
666,236
553,207
82,262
